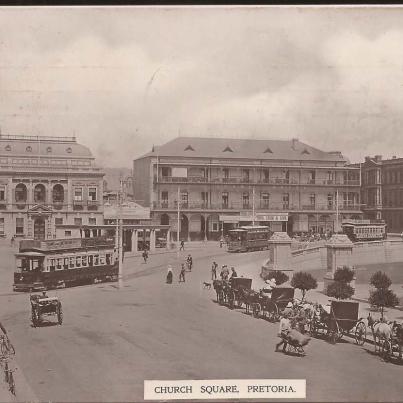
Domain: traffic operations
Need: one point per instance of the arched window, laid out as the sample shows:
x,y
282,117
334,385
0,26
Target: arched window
x,y
20,193
58,193
39,193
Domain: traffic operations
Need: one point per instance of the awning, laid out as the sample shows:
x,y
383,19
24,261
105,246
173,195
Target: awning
x,y
29,254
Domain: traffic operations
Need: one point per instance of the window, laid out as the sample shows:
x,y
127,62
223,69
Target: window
x,y
92,221
96,260
224,198
245,200
2,193
58,193
20,193
164,199
265,200
329,201
67,234
39,193
215,226
184,199
71,262
286,200
58,221
266,175
65,263
52,265
312,176
59,264
312,198
245,175
78,221
84,260
8,147
92,193
19,226
2,226
204,197
78,261
102,260
78,194
29,149
69,150
108,258
49,150
226,173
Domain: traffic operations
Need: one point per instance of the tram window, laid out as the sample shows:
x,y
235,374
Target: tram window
x,y
78,261
96,260
52,265
90,260
59,264
84,260
71,264
108,258
102,260
66,263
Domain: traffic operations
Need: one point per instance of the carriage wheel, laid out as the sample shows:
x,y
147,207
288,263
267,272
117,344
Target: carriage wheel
x,y
60,315
360,333
256,309
386,351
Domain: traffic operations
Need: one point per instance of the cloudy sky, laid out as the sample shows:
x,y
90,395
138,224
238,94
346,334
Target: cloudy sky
x,y
123,79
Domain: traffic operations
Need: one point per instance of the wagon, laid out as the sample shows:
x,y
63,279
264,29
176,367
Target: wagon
x,y
235,291
274,303
45,306
342,320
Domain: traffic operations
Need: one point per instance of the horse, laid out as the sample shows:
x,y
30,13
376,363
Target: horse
x,y
380,330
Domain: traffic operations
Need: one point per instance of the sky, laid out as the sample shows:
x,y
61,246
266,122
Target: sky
x,y
124,79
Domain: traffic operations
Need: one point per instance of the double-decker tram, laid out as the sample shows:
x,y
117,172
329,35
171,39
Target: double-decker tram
x,y
248,238
364,230
60,263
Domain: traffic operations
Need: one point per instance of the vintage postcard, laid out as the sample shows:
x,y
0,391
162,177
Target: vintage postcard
x,y
201,203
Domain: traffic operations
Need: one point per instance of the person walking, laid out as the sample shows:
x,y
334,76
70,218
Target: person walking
x,y
214,271
233,273
182,274
284,330
189,262
145,255
169,275
182,245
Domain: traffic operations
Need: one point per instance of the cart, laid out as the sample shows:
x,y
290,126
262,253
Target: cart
x,y
235,291
342,320
273,303
45,306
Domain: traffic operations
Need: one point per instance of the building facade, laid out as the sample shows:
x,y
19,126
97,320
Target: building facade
x,y
223,183
382,191
44,182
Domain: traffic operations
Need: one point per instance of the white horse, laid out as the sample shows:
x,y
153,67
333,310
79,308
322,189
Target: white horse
x,y
380,330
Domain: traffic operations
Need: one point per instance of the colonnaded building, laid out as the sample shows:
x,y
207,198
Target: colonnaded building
x,y
47,181
223,183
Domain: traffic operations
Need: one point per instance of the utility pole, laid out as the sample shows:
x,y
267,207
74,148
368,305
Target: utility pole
x,y
120,235
179,221
253,206
337,211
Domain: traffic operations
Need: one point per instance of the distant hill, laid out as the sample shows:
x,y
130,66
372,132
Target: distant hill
x,y
113,175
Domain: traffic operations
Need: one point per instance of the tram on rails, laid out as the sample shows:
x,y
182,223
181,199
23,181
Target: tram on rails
x,y
364,230
248,238
59,263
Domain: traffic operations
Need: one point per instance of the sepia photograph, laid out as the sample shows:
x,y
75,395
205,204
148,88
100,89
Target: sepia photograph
x,y
201,203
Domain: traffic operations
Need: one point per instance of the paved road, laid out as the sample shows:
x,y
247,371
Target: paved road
x,y
113,339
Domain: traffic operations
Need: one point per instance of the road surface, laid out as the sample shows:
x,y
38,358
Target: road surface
x,y
112,340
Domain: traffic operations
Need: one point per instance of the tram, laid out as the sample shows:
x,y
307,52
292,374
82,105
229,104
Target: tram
x,y
60,263
247,238
364,230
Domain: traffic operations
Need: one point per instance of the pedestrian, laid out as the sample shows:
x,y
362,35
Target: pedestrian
x,y
182,245
169,275
214,271
284,330
12,241
224,272
234,273
145,255
182,274
189,262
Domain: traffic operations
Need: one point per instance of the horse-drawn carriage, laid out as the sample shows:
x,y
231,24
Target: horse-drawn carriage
x,y
232,292
45,306
272,303
342,320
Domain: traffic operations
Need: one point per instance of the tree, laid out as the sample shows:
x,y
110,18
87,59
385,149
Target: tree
x,y
278,275
304,282
344,275
380,280
382,296
340,290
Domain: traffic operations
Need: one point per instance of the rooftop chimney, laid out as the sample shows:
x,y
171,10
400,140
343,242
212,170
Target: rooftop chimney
x,y
294,142
378,158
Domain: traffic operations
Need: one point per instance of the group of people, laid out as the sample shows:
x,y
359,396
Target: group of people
x,y
225,273
188,264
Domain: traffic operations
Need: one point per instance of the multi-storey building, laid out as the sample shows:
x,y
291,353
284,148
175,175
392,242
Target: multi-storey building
x,y
221,183
382,190
44,182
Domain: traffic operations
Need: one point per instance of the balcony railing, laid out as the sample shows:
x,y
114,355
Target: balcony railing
x,y
269,181
199,205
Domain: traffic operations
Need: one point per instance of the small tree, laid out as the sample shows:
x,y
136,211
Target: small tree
x,y
340,288
382,296
278,275
344,275
380,280
304,282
